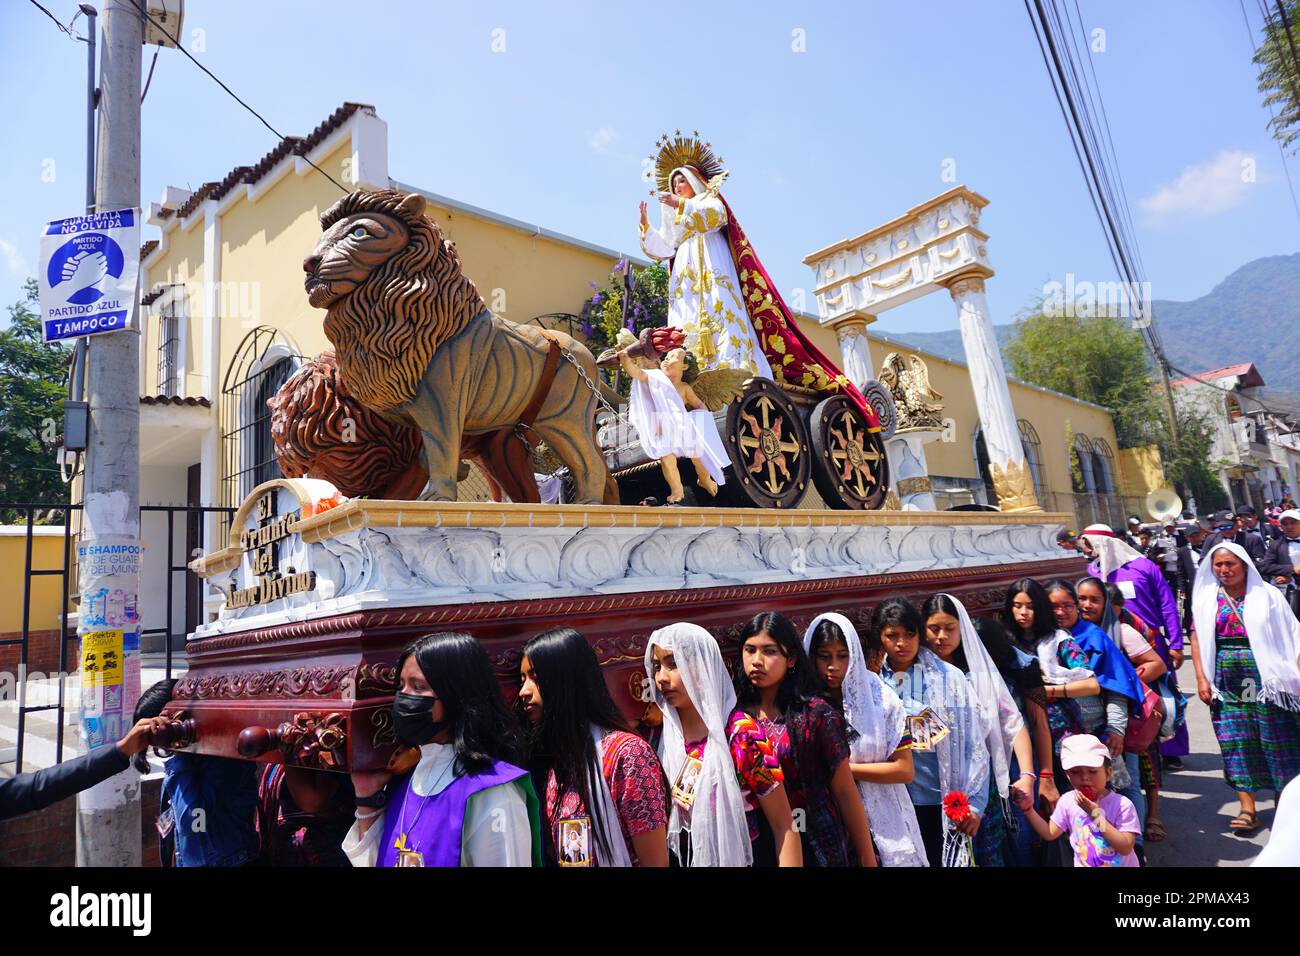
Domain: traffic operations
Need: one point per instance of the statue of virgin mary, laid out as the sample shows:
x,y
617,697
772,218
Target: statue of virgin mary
x,y
719,294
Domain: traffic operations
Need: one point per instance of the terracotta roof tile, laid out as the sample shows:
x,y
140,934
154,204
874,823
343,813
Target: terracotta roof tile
x,y
289,146
174,400
1243,370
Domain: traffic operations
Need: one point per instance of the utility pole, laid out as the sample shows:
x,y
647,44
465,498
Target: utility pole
x,y
108,815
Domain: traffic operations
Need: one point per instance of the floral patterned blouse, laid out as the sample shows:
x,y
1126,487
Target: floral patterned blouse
x,y
636,783
1227,622
811,743
758,769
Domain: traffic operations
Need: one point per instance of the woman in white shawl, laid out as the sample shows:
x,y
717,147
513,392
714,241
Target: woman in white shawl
x,y
951,635
948,734
1245,645
704,291
693,689
879,758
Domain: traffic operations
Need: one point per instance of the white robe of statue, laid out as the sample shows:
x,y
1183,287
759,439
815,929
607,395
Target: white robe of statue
x,y
665,426
704,290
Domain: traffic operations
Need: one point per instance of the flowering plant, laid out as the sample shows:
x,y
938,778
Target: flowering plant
x,y
956,806
958,848
602,315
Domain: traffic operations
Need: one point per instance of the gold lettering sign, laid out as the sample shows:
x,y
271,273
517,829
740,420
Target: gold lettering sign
x,y
261,544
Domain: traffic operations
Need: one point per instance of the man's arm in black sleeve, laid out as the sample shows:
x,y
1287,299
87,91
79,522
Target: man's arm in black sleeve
x,y
32,791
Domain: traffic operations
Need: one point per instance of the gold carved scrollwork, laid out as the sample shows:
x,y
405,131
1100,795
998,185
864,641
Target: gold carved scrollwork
x,y
1014,486
891,501
967,284
895,280
914,486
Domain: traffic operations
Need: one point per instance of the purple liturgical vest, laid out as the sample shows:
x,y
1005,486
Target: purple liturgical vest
x,y
435,834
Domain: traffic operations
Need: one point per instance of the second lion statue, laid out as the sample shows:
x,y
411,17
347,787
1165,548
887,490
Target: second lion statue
x,y
415,342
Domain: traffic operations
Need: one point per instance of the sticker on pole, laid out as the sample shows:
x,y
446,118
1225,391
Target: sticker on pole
x,y
89,266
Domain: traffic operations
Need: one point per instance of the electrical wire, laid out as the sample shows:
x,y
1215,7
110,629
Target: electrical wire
x,y
1081,139
1285,416
1286,168
231,93
58,23
149,78
1290,42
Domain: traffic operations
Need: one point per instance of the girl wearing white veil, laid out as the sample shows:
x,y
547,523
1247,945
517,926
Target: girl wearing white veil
x,y
1244,648
951,635
879,743
940,703
707,823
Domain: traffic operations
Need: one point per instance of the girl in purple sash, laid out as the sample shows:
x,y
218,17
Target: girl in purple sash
x,y
465,803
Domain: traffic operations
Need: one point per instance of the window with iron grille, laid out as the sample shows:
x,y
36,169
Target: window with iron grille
x,y
262,363
169,342
1033,446
1103,466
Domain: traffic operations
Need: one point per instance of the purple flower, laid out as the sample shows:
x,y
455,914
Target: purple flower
x,y
592,283
587,329
595,299
620,265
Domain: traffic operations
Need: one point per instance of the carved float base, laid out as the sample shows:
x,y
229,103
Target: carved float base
x,y
339,670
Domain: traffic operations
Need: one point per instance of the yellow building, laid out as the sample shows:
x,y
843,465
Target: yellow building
x,y
226,321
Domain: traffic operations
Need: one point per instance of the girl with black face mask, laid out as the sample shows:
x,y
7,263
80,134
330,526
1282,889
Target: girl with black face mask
x,y
465,803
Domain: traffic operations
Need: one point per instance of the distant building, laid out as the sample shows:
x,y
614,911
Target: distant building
x,y
1256,453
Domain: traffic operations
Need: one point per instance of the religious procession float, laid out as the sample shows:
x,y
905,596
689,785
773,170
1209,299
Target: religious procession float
x,y
788,502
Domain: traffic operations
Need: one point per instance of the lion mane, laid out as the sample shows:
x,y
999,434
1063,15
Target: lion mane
x,y
320,431
387,330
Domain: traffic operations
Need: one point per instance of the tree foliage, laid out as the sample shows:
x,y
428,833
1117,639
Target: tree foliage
x,y
1100,360
33,378
1104,360
1279,73
647,308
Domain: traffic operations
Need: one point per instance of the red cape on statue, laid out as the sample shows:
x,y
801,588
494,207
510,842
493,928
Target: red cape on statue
x,y
792,355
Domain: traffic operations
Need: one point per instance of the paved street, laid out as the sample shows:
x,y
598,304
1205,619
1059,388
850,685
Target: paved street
x,y
1196,804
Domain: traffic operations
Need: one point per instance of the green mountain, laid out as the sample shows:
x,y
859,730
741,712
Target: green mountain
x,y
1251,316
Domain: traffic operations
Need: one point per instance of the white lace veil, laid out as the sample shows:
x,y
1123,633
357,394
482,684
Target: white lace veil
x,y
963,754
1112,551
879,719
719,834
998,711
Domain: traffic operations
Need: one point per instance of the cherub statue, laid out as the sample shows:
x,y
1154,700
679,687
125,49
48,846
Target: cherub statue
x,y
672,422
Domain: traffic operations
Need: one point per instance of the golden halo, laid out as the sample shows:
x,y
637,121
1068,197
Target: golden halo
x,y
680,150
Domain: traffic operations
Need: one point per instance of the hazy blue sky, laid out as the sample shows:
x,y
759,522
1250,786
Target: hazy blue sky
x,y
822,144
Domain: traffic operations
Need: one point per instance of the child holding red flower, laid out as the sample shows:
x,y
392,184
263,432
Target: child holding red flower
x,y
1102,824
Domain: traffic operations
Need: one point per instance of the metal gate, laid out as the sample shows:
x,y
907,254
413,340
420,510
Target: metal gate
x,y
176,591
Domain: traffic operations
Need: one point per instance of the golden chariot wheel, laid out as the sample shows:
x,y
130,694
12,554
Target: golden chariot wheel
x,y
850,469
768,445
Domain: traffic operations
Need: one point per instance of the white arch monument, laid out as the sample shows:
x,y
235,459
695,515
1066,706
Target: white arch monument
x,y
936,245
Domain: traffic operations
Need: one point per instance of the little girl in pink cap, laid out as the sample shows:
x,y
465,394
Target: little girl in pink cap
x,y
1103,825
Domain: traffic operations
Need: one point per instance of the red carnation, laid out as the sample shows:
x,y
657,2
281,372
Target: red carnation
x,y
956,806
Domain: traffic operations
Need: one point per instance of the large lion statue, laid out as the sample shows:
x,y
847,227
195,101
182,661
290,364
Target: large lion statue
x,y
416,342
320,431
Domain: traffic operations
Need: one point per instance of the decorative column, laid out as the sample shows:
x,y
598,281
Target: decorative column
x,y
854,347
1007,465
909,469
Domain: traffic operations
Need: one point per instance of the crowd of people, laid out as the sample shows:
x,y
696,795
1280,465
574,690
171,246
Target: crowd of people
x,y
931,739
